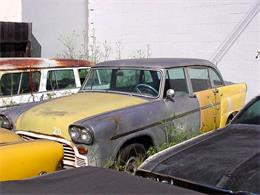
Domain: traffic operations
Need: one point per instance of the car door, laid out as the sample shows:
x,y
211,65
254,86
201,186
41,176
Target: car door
x,y
207,97
183,109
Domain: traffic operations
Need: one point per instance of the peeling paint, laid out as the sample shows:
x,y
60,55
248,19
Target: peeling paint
x,y
40,63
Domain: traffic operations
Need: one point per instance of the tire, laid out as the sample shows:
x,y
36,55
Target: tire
x,y
131,157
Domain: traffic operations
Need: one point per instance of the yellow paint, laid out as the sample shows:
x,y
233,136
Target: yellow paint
x,y
209,112
29,158
54,117
7,136
232,100
219,104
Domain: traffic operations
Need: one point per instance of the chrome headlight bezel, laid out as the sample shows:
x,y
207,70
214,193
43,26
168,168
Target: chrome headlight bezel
x,y
81,135
5,122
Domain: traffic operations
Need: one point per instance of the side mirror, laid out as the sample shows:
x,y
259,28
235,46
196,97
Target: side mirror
x,y
170,94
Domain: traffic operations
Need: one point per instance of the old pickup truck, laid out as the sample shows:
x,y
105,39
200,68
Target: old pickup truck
x,y
126,106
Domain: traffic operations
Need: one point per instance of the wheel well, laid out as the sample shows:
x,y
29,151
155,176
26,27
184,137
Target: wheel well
x,y
145,140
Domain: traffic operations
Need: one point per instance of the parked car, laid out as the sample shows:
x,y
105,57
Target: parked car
x,y
24,157
227,159
125,106
25,80
90,180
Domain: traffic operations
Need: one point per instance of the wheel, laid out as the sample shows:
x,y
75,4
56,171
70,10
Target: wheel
x,y
144,88
131,157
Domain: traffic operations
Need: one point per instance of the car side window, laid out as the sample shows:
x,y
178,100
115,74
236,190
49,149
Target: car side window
x,y
10,84
176,80
83,72
19,83
215,78
199,78
28,84
60,79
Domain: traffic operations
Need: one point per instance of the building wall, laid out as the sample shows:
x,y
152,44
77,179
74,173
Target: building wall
x,y
181,28
10,11
53,21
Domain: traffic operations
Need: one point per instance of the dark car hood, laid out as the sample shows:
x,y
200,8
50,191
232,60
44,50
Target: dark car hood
x,y
227,158
89,180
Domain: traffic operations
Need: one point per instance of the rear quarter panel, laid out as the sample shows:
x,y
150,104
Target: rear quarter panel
x,y
232,99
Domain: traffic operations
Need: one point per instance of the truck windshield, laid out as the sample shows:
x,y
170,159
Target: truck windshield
x,y
132,81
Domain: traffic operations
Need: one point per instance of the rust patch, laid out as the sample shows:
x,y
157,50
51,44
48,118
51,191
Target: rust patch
x,y
20,63
40,63
73,62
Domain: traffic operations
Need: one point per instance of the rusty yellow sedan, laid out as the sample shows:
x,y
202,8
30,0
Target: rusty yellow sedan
x,y
126,106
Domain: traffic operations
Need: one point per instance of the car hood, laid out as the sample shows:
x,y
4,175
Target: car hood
x,y
54,117
227,158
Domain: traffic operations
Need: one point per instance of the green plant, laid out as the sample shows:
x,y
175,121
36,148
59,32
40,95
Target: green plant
x,y
173,136
120,165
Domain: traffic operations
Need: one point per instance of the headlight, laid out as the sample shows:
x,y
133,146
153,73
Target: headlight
x,y
81,135
5,123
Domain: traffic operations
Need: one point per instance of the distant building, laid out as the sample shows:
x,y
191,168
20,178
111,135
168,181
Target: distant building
x,y
225,32
52,21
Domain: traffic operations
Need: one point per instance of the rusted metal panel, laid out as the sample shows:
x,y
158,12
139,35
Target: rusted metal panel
x,y
72,62
40,63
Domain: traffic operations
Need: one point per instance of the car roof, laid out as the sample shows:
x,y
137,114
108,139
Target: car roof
x,y
40,63
157,63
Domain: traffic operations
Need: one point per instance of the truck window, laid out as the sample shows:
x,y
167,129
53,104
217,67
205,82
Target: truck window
x,y
60,79
199,77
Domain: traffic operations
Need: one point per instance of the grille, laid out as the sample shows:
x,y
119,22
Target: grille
x,y
71,156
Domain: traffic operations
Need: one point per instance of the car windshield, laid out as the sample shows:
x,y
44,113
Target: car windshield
x,y
249,116
132,81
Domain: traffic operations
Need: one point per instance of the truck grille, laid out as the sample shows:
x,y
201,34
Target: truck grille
x,y
71,157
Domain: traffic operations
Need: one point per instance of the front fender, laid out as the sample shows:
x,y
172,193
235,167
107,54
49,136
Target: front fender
x,y
14,112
